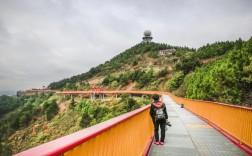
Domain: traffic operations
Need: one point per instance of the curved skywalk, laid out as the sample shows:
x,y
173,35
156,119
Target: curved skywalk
x,y
191,136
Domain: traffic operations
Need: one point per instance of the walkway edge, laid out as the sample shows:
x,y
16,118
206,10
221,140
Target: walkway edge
x,y
244,147
148,146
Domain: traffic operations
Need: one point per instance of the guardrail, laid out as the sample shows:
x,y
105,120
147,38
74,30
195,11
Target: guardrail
x,y
131,133
128,134
233,121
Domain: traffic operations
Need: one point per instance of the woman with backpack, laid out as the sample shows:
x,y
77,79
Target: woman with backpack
x,y
159,117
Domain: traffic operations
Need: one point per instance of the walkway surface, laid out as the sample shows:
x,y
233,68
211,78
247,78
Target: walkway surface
x,y
190,136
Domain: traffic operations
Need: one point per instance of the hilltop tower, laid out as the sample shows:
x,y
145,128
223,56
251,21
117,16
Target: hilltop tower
x,y
147,36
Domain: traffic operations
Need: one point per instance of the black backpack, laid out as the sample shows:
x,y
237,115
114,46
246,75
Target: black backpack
x,y
159,113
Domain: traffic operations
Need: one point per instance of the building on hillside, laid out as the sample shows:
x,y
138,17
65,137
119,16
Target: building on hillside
x,y
166,52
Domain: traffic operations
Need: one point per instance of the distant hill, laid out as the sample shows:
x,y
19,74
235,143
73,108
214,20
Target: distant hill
x,y
8,92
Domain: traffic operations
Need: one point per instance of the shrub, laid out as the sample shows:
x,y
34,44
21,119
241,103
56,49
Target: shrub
x,y
50,109
71,104
163,72
175,81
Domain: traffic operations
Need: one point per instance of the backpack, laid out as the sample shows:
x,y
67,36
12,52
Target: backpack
x,y
159,113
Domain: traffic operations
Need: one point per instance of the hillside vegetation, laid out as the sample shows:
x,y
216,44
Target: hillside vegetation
x,y
138,60
45,117
217,72
220,72
227,80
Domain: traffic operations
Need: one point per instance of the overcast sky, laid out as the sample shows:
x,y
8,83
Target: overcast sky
x,y
43,41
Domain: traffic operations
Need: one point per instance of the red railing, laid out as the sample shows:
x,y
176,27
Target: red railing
x,y
112,137
131,133
235,122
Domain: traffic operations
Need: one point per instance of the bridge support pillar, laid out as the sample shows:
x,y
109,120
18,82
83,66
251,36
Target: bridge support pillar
x,y
92,97
101,96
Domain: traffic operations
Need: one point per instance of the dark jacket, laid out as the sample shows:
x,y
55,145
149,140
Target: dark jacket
x,y
157,104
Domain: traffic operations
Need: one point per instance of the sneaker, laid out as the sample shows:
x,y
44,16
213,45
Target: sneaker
x,y
161,143
156,143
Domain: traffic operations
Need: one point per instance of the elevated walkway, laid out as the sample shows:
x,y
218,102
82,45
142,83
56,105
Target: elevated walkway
x,y
191,136
132,133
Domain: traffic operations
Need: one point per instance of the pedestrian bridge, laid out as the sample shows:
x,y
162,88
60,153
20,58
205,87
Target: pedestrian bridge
x,y
200,128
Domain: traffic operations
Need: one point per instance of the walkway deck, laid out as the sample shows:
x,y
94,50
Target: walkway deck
x,y
190,136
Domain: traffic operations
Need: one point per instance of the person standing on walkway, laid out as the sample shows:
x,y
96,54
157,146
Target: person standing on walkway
x,y
159,117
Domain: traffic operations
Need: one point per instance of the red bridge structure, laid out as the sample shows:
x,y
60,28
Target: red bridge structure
x,y
198,128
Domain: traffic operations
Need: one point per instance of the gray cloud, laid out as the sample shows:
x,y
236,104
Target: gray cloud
x,y
47,40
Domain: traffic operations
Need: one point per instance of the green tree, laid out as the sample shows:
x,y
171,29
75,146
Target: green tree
x,y
5,149
50,109
223,80
175,81
71,104
114,84
85,120
25,118
123,79
162,73
153,54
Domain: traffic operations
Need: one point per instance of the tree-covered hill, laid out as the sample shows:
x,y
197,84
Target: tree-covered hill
x,y
125,60
218,72
227,80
